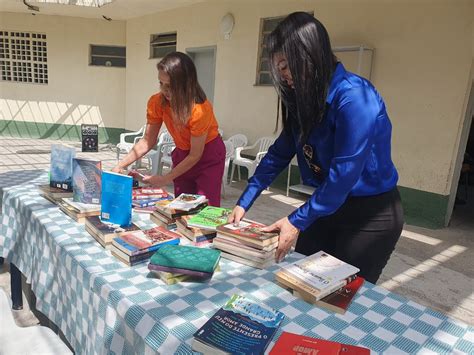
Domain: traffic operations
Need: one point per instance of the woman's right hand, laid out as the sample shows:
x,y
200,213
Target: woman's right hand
x,y
236,215
117,169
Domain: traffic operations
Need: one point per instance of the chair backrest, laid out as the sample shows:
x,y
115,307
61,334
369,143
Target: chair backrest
x,y
165,137
229,149
238,140
264,143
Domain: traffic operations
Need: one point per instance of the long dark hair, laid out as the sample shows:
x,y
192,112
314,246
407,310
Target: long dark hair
x,y
184,85
305,43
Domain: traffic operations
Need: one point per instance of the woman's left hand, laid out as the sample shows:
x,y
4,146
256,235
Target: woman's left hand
x,y
156,180
288,235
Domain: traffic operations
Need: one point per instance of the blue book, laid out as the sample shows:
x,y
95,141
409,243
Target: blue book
x,y
86,181
116,204
61,167
242,326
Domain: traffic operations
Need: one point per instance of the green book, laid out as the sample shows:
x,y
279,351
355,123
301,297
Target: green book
x,y
187,257
209,218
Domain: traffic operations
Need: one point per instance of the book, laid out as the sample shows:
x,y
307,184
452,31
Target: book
x,y
105,232
194,234
116,198
61,166
90,137
248,232
209,218
131,260
163,221
295,344
241,326
187,257
54,193
171,213
175,270
149,192
244,251
253,263
171,279
82,208
246,243
321,270
76,210
139,242
186,202
86,180
340,300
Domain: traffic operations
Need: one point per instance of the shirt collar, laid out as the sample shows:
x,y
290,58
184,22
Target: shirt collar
x,y
337,76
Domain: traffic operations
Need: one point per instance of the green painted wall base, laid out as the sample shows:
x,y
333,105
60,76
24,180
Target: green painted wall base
x,y
421,208
55,131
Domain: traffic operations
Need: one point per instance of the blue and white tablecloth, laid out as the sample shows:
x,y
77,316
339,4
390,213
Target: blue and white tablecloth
x,y
103,306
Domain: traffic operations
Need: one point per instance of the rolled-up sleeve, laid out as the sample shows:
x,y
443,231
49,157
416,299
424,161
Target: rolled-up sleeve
x,y
355,123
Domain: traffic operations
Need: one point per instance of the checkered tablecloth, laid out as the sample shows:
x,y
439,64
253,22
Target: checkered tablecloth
x,y
102,306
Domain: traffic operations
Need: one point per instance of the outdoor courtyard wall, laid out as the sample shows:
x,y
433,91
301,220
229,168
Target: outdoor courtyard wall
x,y
76,92
423,57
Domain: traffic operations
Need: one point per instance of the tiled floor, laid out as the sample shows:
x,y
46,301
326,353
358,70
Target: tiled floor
x,y
432,267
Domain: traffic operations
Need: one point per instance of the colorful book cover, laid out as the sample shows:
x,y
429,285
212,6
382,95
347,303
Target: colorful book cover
x,y
209,218
321,270
145,240
340,300
61,166
105,229
295,344
116,198
86,180
186,202
187,257
247,229
241,326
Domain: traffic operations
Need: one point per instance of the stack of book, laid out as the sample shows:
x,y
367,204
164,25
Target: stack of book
x,y
318,276
209,218
144,199
173,263
137,247
54,194
197,236
241,326
105,232
165,214
295,344
247,244
78,211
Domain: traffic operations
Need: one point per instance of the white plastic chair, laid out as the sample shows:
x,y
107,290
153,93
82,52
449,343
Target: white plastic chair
x,y
163,153
29,340
262,144
124,147
229,152
237,140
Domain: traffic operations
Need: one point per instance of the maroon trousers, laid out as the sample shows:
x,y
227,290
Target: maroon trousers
x,y
204,178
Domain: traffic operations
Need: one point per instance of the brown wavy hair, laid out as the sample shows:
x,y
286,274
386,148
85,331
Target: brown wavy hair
x,y
184,85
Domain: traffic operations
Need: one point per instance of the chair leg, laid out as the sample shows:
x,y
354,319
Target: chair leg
x,y
232,174
238,171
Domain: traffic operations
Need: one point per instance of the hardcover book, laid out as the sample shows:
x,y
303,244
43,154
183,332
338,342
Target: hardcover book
x,y
295,344
116,198
187,257
86,180
61,166
209,218
241,326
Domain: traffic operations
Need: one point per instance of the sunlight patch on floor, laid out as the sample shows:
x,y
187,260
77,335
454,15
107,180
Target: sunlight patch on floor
x,y
421,237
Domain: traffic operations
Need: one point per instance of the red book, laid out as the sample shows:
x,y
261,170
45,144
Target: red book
x,y
340,300
289,343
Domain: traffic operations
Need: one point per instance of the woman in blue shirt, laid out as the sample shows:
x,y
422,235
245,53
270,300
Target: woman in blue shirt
x,y
336,124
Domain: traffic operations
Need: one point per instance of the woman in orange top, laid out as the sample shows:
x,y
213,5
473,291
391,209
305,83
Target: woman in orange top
x,y
198,159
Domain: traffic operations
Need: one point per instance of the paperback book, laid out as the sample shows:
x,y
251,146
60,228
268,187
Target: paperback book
x,y
61,167
186,202
86,180
249,233
209,218
241,326
138,242
295,344
116,199
105,232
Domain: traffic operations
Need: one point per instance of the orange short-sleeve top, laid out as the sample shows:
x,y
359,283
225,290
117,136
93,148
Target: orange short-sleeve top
x,y
202,121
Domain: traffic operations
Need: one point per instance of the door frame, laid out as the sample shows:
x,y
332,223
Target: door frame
x,y
193,50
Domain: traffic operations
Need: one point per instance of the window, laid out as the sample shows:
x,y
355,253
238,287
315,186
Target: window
x,y
267,25
162,44
23,57
107,56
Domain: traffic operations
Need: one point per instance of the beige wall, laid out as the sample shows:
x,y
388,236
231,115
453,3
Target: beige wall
x,y
421,66
76,93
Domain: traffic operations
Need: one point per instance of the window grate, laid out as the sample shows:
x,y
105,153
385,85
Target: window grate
x,y
162,44
23,57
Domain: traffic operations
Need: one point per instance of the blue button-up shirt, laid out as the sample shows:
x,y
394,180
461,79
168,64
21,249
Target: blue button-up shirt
x,y
351,146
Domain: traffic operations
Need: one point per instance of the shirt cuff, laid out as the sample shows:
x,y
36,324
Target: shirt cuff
x,y
299,221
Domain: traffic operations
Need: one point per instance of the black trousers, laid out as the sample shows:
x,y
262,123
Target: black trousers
x,y
362,232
